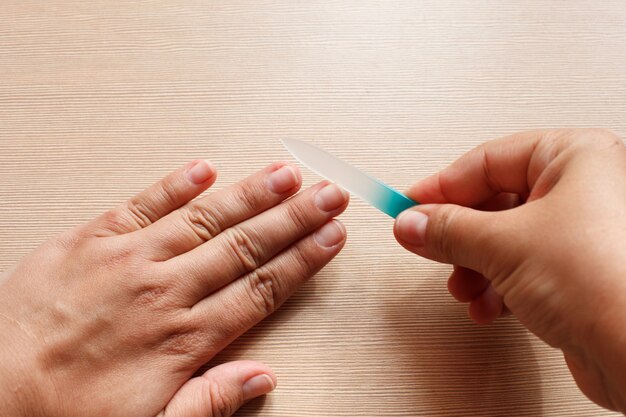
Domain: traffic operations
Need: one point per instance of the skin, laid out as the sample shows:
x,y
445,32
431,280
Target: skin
x,y
535,224
114,317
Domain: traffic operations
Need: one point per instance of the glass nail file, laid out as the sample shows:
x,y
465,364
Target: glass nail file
x,y
357,182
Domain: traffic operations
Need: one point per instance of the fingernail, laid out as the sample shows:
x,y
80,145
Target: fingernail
x,y
330,197
330,234
256,386
200,172
282,180
411,227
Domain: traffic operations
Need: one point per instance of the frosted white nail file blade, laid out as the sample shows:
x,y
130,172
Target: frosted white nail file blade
x,y
357,182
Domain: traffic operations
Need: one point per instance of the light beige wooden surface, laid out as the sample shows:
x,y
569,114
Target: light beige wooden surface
x,y
100,98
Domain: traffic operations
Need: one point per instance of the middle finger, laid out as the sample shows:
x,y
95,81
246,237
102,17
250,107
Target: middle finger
x,y
201,220
247,246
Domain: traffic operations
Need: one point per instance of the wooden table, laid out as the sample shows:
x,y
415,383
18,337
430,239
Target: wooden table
x,y
100,98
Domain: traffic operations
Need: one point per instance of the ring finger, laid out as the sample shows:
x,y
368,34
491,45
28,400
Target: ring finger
x,y
254,296
247,246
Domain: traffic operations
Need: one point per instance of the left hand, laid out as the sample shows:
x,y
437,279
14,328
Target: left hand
x,y
114,317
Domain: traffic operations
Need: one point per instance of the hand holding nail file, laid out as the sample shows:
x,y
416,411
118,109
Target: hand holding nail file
x,y
368,188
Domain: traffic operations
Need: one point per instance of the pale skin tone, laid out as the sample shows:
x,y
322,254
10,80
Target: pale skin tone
x,y
114,317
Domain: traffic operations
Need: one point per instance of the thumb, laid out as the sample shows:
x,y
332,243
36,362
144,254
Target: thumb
x,y
453,234
221,390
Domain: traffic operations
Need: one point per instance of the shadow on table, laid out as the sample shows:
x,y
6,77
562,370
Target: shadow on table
x,y
441,362
458,368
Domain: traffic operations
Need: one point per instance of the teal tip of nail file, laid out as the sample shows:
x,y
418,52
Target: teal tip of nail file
x,y
393,202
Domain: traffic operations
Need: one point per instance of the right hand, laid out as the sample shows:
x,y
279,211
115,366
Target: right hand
x,y
557,261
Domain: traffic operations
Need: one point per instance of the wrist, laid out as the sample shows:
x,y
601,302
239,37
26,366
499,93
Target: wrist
x,y
12,396
606,353
18,390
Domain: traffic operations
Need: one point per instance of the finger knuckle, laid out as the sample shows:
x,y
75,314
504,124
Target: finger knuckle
x,y
154,294
247,194
205,221
582,138
117,253
221,404
487,165
441,231
303,263
188,344
555,141
67,240
244,244
262,285
604,137
141,214
169,193
297,214
114,220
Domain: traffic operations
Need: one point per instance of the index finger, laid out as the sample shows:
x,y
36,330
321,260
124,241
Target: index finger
x,y
501,165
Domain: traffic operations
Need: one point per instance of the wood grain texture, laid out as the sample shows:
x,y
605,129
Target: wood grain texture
x,y
99,99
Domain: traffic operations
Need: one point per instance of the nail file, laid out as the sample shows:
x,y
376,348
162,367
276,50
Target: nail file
x,y
357,182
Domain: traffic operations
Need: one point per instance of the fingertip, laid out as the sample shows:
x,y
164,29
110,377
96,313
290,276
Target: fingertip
x,y
330,235
331,198
257,386
284,178
487,307
266,369
279,164
270,373
452,288
466,284
225,388
200,171
254,378
258,379
427,190
410,227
